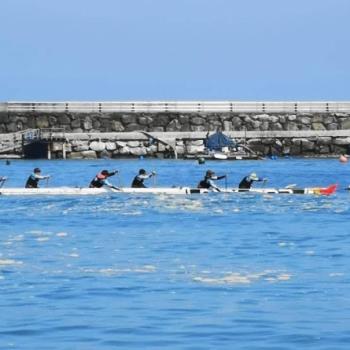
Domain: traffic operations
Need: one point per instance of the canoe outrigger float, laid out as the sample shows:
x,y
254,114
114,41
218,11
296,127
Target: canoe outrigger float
x,y
77,191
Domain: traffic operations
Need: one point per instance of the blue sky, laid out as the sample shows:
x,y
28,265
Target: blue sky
x,y
174,50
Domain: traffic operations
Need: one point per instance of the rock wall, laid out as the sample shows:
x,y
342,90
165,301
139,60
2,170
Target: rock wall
x,y
185,122
119,122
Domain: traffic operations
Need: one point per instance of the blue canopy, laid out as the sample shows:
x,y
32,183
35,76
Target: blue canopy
x,y
217,141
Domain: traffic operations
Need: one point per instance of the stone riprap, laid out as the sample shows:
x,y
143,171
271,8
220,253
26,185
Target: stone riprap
x,y
163,122
324,132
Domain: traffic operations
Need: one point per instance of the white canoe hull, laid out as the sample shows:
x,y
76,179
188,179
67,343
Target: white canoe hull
x,y
77,191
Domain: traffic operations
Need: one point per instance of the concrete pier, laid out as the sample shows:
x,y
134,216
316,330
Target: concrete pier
x,y
120,129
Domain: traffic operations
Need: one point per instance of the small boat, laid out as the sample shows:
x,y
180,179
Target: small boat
x,y
80,191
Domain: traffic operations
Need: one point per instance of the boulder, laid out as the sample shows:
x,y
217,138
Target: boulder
x,y
97,146
324,140
129,119
228,125
342,141
305,120
116,125
174,125
197,143
75,155
133,143
120,143
42,122
87,124
123,151
195,149
332,126
134,127
75,123
89,154
110,146
345,124
145,120
318,126
138,151
197,121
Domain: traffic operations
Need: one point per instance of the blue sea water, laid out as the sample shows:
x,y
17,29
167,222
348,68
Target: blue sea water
x,y
238,271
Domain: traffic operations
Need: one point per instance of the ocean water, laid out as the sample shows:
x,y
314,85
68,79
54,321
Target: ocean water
x,y
219,271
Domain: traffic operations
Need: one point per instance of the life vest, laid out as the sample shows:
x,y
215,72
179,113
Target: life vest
x,y
32,182
97,181
138,182
204,184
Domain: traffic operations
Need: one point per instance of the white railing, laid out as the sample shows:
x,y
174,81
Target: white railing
x,y
177,107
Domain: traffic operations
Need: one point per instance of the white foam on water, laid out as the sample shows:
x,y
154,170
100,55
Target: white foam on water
x,y
234,278
61,234
111,271
10,262
42,239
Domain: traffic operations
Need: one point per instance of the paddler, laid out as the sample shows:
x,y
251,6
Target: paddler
x,y
2,180
141,177
208,181
100,180
34,178
247,181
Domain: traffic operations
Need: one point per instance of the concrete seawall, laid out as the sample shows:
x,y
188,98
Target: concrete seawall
x,y
114,129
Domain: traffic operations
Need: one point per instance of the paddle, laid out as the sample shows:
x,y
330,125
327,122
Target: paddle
x,y
154,174
2,181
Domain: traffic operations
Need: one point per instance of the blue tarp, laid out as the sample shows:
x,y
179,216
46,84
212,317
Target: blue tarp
x,y
218,140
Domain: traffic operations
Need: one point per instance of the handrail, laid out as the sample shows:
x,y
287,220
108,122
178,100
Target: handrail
x,y
178,107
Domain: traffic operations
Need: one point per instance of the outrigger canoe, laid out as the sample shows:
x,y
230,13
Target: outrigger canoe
x,y
77,191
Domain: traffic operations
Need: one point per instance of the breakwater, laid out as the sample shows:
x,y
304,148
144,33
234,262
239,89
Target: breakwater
x,y
118,129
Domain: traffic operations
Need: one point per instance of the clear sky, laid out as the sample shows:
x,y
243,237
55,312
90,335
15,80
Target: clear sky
x,y
174,50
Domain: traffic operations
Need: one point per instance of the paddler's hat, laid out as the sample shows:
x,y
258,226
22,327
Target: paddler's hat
x,y
209,173
253,177
37,170
142,171
105,172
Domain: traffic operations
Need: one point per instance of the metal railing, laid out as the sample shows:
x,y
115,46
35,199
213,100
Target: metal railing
x,y
16,140
177,107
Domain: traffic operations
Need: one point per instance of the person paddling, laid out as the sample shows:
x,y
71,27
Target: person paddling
x,y
100,180
141,177
208,181
34,178
2,180
247,181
